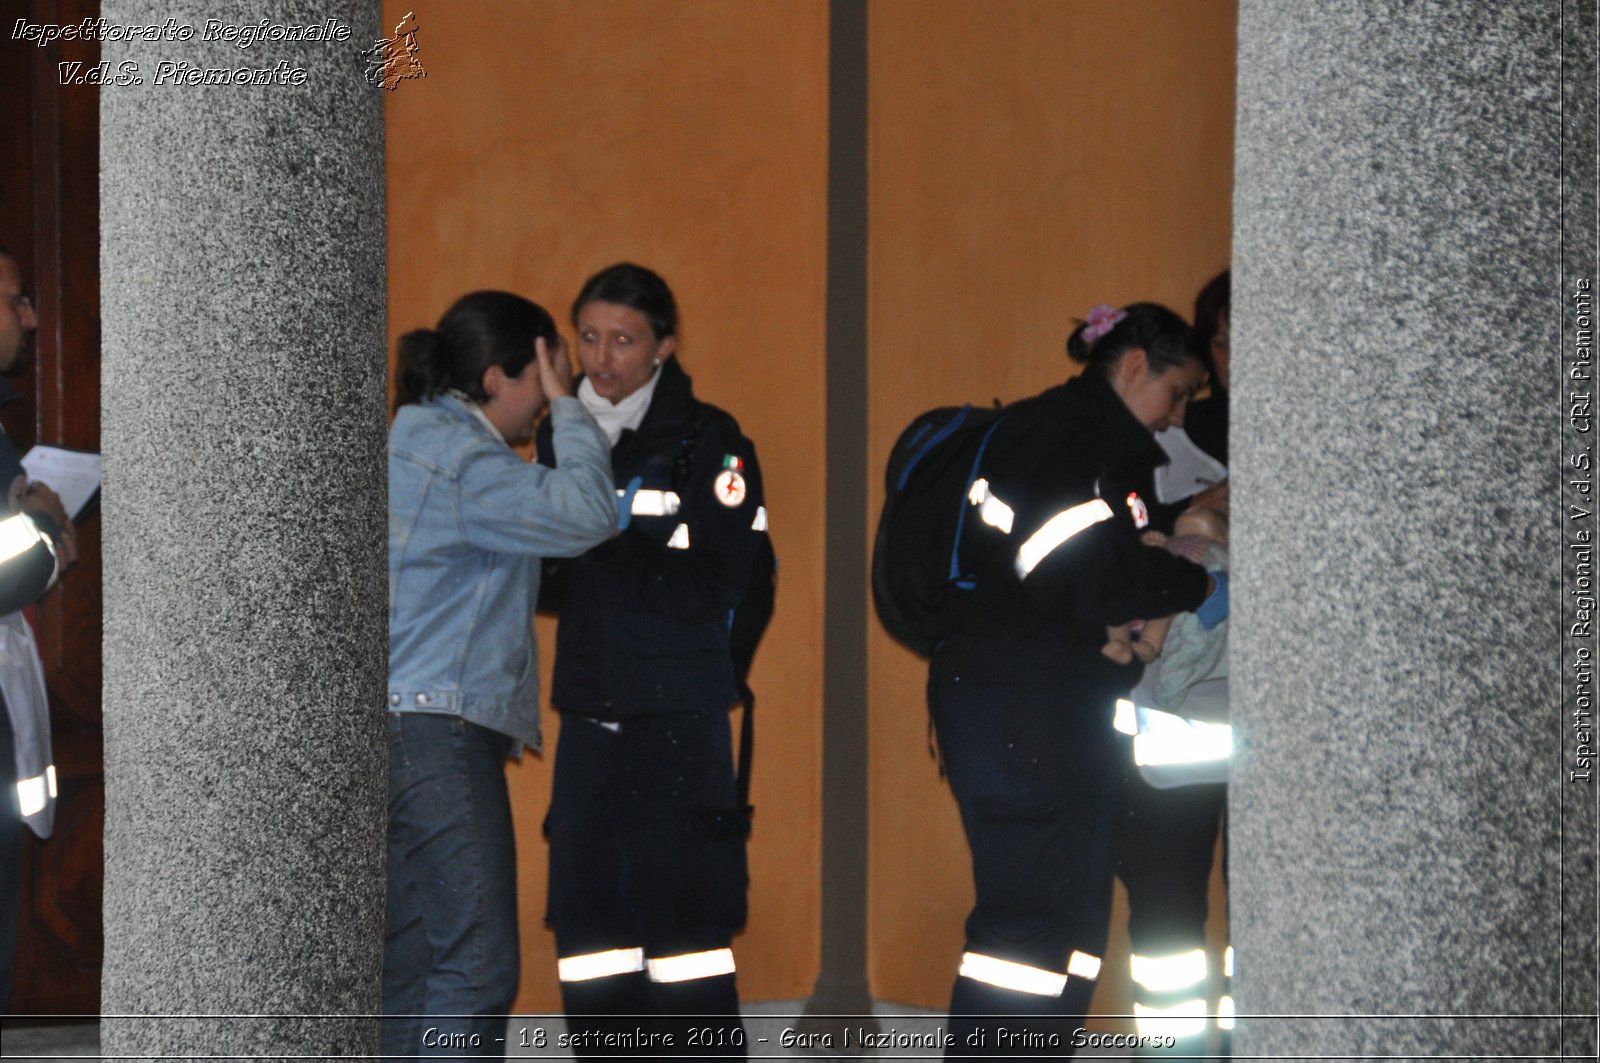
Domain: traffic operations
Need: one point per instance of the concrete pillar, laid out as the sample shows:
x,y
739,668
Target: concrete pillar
x,y
242,271
1413,831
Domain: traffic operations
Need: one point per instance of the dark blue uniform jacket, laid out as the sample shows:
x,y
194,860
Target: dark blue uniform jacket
x,y
644,617
1061,450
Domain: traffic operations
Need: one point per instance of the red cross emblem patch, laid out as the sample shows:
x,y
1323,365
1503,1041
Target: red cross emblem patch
x,y
730,488
1141,513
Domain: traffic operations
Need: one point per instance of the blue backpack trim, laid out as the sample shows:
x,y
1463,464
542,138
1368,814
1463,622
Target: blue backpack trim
x,y
961,521
948,429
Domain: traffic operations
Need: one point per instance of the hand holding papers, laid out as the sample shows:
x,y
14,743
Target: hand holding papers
x,y
72,474
1189,471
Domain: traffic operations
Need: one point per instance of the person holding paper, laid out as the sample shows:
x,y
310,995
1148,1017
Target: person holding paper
x,y
1207,421
1169,834
1196,471
36,546
1022,699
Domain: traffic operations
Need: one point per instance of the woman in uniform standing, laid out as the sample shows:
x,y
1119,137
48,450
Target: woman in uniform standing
x,y
647,842
1022,697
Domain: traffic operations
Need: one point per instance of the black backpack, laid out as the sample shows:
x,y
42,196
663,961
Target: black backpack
x,y
917,579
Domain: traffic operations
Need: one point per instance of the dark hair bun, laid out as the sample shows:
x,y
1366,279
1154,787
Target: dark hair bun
x,y
1166,339
423,366
480,330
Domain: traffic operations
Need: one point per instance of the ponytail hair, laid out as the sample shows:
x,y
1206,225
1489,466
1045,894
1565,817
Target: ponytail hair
x,y
481,330
1166,339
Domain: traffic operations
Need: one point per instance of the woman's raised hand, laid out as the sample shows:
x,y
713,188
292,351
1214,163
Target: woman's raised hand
x,y
555,371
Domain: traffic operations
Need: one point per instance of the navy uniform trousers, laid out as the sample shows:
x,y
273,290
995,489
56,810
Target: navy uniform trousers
x,y
647,882
1035,768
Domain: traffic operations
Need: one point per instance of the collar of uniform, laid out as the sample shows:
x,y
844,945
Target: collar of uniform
x,y
669,414
615,418
671,405
1119,429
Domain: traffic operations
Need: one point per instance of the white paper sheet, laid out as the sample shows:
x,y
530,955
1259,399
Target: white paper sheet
x,y
72,474
1190,470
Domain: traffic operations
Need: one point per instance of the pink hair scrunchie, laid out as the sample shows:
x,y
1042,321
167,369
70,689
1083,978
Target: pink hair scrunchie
x,y
1102,319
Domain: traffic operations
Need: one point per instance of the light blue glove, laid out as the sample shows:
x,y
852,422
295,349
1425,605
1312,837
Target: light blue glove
x,y
625,503
1214,610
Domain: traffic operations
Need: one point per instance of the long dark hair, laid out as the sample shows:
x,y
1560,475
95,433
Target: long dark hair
x,y
482,329
1166,339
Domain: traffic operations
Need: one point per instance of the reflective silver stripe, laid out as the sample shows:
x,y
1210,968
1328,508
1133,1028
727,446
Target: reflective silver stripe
x,y
652,503
17,534
992,511
1225,1013
1083,965
680,538
599,965
1168,974
32,793
1227,962
1180,1020
1126,719
760,523
1167,739
1005,974
691,965
1057,530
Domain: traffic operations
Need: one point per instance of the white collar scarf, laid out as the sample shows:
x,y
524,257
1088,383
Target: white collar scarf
x,y
614,419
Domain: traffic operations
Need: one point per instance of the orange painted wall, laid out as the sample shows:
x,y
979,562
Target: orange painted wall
x,y
552,138
1029,158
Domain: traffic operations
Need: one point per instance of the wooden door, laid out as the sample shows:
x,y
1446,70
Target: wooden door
x,y
49,221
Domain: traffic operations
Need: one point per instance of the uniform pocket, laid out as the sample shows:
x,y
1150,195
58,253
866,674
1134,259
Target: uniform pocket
x,y
714,877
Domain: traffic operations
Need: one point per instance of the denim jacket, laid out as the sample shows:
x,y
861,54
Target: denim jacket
x,y
469,521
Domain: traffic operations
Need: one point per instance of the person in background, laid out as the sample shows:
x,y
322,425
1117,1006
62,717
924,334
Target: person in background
x,y
1169,835
647,835
36,545
1021,695
1207,422
469,522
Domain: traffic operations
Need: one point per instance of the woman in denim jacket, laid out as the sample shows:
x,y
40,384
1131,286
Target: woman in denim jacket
x,y
469,522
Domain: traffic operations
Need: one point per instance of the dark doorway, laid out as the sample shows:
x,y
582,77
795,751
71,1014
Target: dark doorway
x,y
49,220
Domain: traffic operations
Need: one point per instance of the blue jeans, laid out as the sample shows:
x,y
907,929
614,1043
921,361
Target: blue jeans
x,y
451,954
